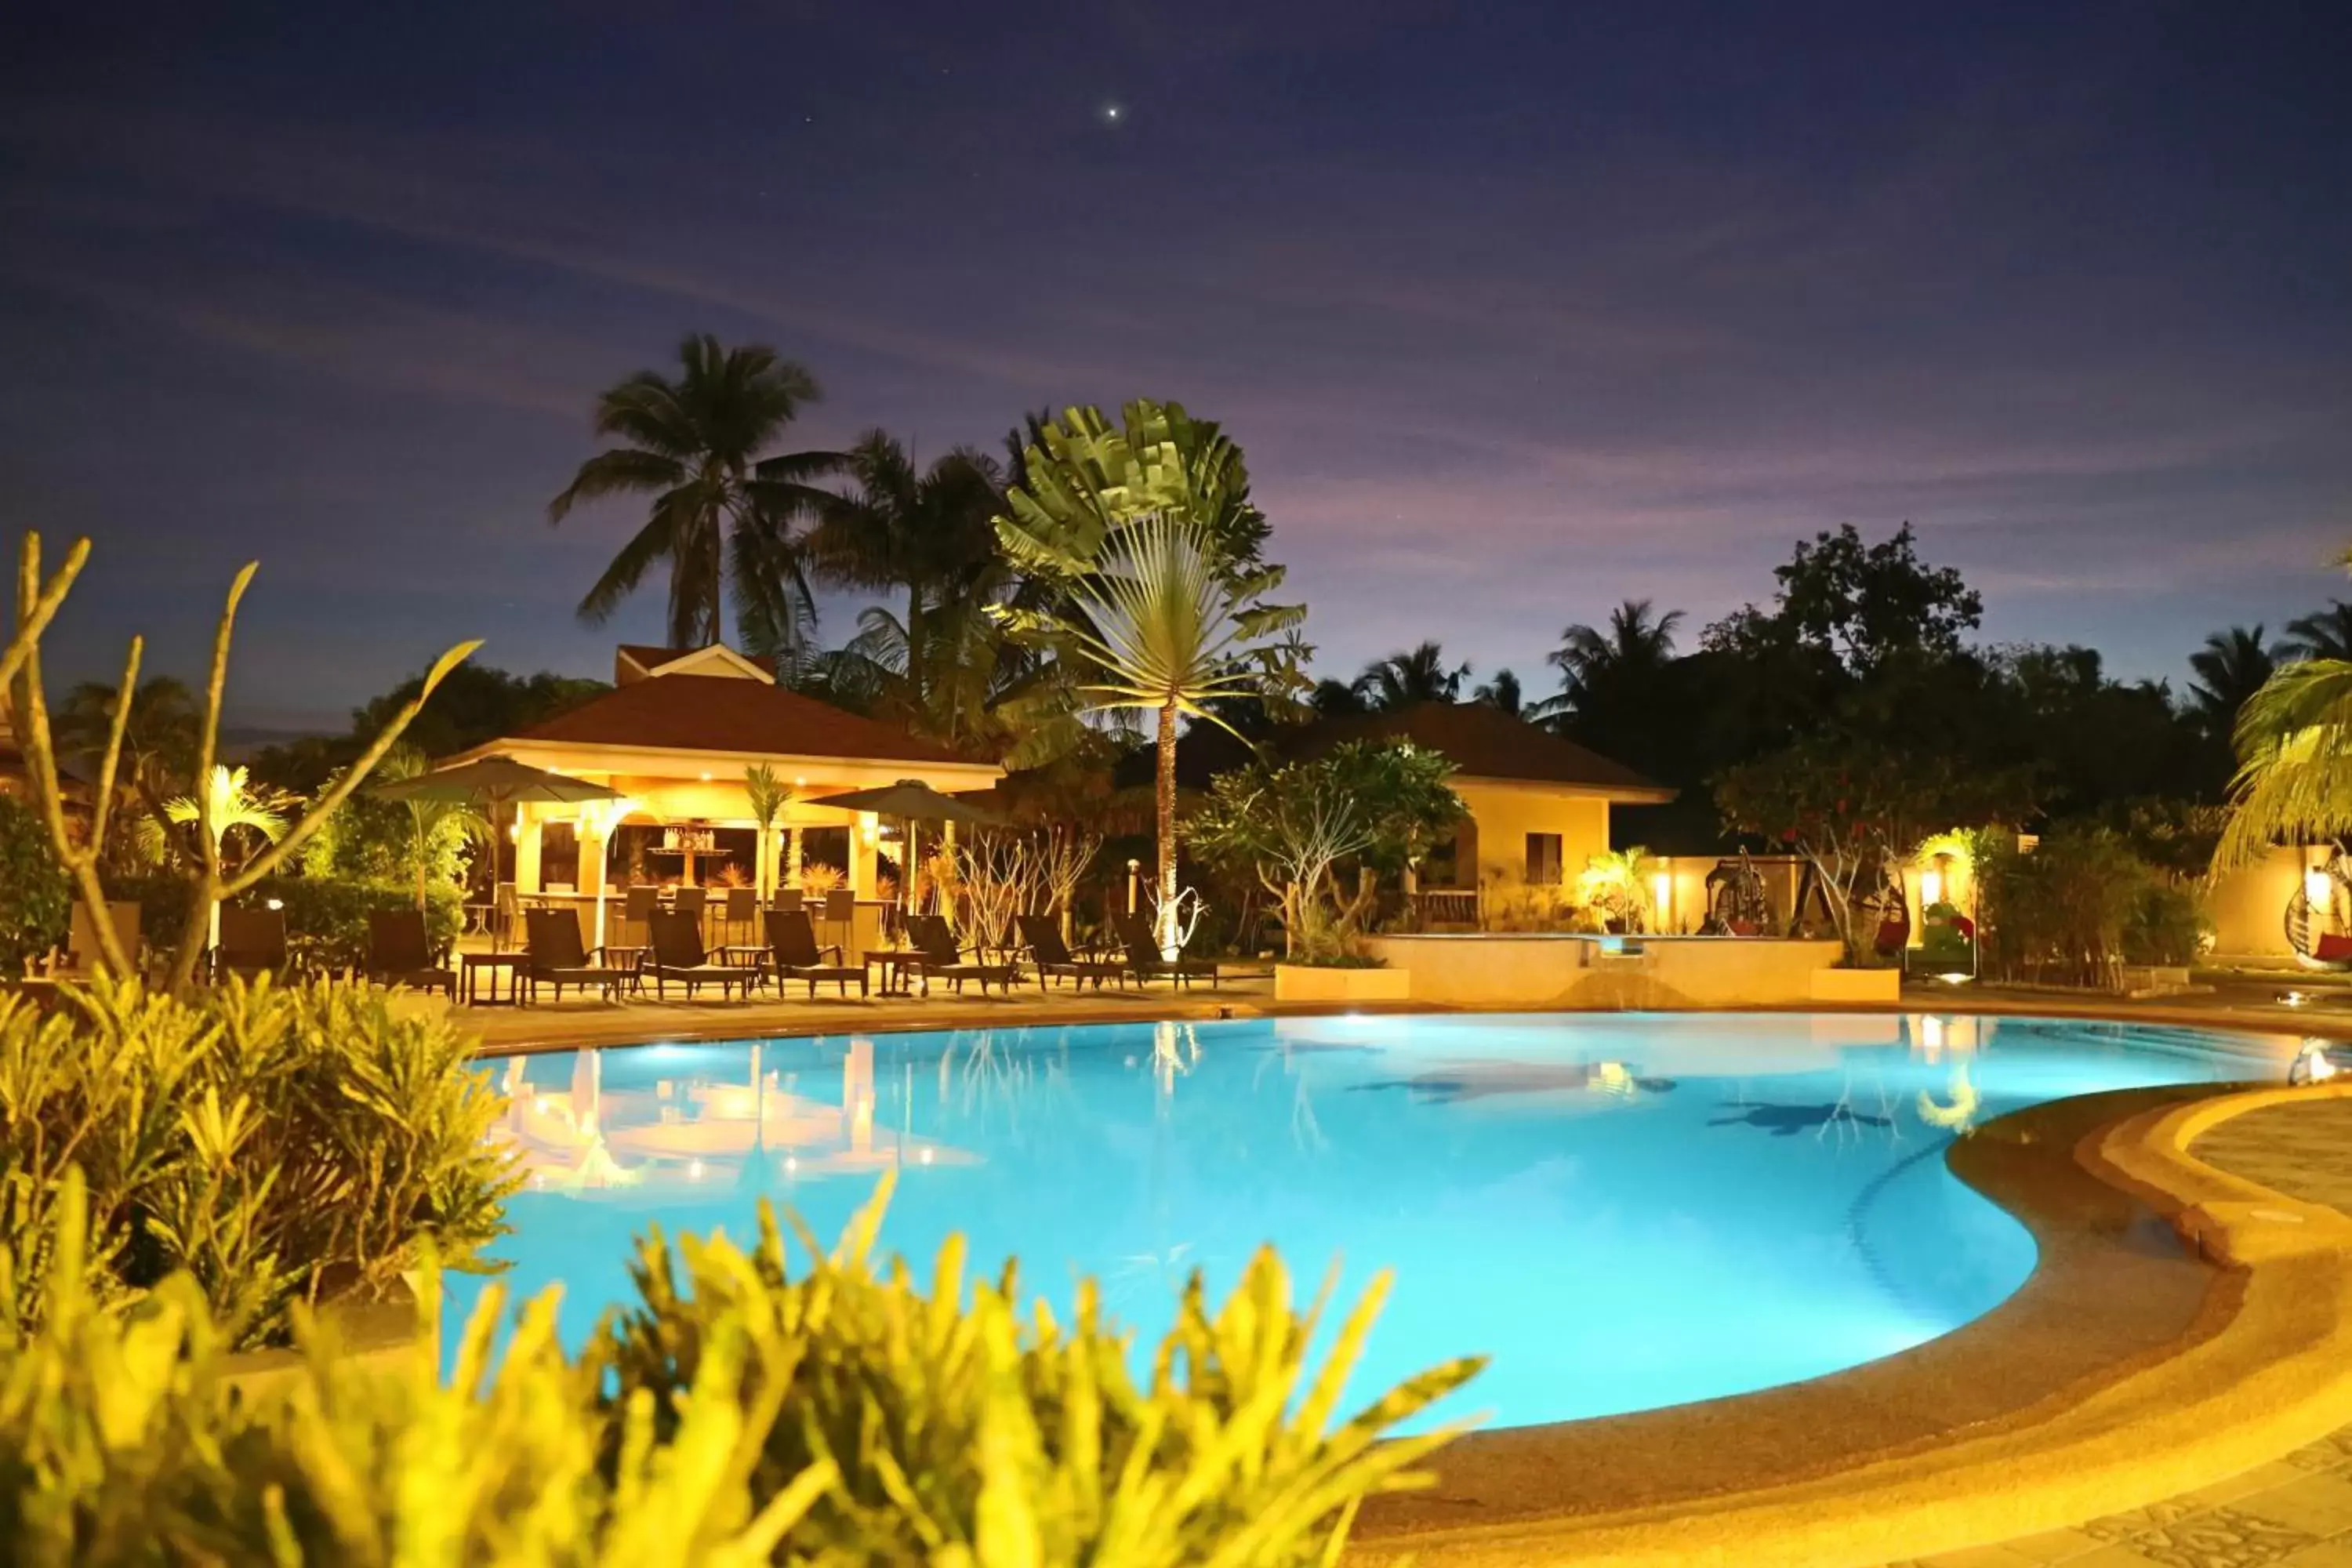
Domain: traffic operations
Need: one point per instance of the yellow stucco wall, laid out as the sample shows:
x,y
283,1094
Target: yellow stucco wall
x,y
2248,908
1532,970
1506,813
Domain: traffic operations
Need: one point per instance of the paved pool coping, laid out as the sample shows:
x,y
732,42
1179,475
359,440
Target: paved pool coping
x,y
2128,1369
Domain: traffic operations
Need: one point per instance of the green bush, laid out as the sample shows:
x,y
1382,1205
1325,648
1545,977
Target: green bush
x,y
843,1419
2167,926
275,1145
327,915
36,899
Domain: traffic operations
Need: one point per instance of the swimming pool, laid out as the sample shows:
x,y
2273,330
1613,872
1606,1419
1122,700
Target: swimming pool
x,y
1624,1211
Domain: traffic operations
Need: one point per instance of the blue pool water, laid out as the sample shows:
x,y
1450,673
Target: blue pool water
x,y
1624,1211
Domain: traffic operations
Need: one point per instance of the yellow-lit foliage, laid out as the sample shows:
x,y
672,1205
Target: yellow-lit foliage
x,y
276,1144
843,1418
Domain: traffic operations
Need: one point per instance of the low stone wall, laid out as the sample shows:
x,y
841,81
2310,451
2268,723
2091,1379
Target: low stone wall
x,y
1559,970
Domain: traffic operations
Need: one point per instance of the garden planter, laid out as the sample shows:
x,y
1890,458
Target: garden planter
x,y
1310,982
1863,985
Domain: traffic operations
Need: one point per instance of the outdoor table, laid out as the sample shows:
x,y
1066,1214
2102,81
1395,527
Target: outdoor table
x,y
471,965
895,963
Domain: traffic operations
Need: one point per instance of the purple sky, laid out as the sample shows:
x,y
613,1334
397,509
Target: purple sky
x,y
1518,310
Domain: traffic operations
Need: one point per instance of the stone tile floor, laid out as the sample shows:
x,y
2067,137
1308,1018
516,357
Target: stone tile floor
x,y
2296,1511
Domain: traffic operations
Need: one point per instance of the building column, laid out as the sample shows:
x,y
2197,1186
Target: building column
x,y
592,872
527,848
862,850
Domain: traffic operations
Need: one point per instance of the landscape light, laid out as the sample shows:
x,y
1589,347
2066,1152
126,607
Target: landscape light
x,y
2314,886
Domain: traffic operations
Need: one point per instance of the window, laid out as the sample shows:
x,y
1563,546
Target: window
x,y
1543,859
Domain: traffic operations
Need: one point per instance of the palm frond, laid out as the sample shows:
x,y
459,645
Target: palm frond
x,y
2294,771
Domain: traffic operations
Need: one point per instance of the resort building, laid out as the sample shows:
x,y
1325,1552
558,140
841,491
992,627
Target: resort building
x,y
1539,805
675,737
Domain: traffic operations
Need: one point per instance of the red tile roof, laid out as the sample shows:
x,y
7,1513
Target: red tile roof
x,y
729,714
1482,742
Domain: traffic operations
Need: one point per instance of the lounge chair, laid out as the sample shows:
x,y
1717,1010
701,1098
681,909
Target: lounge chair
x,y
677,955
400,952
1043,936
794,954
1144,961
252,941
942,959
557,957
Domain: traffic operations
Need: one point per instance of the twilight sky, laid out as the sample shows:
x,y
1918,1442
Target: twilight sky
x,y
1518,309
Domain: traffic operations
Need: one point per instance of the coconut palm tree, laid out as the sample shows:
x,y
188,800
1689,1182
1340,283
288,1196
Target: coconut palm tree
x,y
2230,669
722,505
2295,750
1501,693
1638,640
929,533
2323,633
1411,675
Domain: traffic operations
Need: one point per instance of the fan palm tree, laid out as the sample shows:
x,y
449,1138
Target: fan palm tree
x,y
1637,640
2230,669
1411,675
1160,626
720,508
2323,633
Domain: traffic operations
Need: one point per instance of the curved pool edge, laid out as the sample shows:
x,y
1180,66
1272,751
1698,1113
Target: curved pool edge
x,y
2124,1370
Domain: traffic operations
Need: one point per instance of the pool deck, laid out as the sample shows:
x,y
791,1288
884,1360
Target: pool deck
x,y
2134,1403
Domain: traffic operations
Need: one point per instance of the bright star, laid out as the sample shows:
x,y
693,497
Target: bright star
x,y
1112,113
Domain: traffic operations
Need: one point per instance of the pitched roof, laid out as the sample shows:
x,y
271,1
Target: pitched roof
x,y
1483,741
721,713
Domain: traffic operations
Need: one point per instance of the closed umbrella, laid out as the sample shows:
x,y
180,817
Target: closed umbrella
x,y
494,782
911,801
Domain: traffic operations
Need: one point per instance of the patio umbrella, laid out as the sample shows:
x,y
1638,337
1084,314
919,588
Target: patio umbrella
x,y
911,801
494,782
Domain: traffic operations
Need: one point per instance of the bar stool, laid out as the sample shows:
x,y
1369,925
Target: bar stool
x,y
693,902
841,916
741,922
637,915
787,901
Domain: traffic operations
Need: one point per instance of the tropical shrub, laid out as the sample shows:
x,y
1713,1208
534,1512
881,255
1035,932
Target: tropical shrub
x,y
844,1417
36,899
1369,804
2167,926
2057,912
326,917
275,1145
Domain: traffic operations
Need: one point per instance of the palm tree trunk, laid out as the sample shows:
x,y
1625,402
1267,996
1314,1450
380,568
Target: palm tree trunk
x,y
1164,803
914,650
